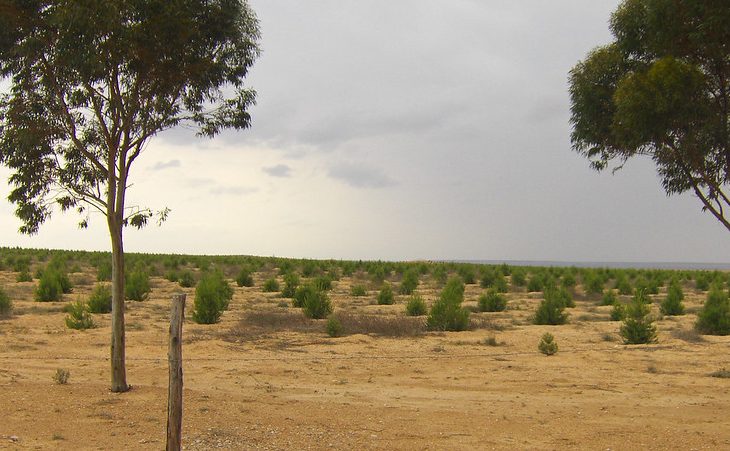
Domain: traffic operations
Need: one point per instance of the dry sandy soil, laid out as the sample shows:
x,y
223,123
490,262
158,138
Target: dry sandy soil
x,y
253,384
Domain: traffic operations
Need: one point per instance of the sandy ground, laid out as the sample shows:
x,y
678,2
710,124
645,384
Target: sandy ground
x,y
247,387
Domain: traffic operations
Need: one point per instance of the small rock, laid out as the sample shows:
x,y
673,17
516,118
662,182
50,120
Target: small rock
x,y
14,438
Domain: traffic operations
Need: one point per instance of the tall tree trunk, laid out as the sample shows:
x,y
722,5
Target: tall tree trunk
x,y
119,370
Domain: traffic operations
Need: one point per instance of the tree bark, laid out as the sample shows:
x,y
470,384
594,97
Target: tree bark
x,y
119,370
175,384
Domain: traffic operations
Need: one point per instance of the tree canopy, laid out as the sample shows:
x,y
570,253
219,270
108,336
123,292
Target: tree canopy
x,y
91,81
661,89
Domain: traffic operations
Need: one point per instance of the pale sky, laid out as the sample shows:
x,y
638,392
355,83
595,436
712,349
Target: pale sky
x,y
410,129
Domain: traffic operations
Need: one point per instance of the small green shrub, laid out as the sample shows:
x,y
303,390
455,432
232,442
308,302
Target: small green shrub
x,y
291,282
618,312
385,296
672,304
78,317
416,306
518,278
547,344
104,270
550,311
447,313
714,318
638,326
316,304
137,285
500,284
271,285
492,301
186,279
212,296
24,276
609,297
535,283
172,275
334,326
623,286
409,282
358,290
489,276
453,291
100,300
244,278
323,283
61,376
6,305
49,288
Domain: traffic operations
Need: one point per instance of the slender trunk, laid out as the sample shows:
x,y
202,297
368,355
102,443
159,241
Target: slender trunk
x,y
119,371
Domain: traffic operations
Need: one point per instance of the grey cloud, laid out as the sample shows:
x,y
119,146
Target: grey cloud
x,y
359,176
280,170
233,190
160,165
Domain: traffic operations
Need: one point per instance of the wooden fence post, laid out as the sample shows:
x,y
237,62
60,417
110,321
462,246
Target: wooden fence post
x,y
175,387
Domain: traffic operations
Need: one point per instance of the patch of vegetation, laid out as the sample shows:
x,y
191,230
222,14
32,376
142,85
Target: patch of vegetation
x,y
722,373
50,286
323,283
334,326
551,309
291,282
383,325
416,306
100,300
638,326
714,318
446,313
358,291
186,279
385,296
271,285
316,304
78,316
24,276
61,376
609,297
618,312
409,282
6,305
137,285
672,304
547,344
212,296
492,301
244,278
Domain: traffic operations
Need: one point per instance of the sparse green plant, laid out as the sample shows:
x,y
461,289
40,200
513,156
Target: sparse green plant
x,y
535,283
270,285
623,285
24,276
316,304
409,282
638,326
722,373
100,300
291,282
334,326
49,287
518,277
492,301
609,297
61,376
6,305
323,283
385,296
137,285
358,290
447,313
672,304
212,296
489,276
416,306
714,318
244,278
187,279
78,317
104,270
618,312
172,275
547,344
550,311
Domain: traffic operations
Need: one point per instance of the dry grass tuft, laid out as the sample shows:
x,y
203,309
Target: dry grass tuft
x,y
389,326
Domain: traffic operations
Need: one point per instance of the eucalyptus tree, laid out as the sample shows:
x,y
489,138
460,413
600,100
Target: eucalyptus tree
x,y
661,89
91,82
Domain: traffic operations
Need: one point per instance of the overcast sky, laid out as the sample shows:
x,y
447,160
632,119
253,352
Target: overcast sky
x,y
409,129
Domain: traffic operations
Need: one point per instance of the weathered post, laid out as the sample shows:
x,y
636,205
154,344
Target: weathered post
x,y
175,387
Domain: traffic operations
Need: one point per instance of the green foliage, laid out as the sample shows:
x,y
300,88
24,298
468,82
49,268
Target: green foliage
x,y
316,304
137,285
358,290
409,282
334,326
536,283
672,304
302,293
550,311
6,305
271,285
618,312
212,296
489,277
291,282
100,300
593,283
323,283
519,278
623,286
638,326
186,279
467,274
439,274
416,306
78,317
714,318
244,278
653,92
609,297
492,301
547,344
447,313
385,296
50,286
24,276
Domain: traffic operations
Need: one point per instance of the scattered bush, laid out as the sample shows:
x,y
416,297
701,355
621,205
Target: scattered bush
x,y
618,312
172,276
638,326
714,318
416,306
672,304
550,311
186,279
291,282
385,296
50,287
24,276
104,270
100,300
358,290
609,297
547,344
212,296
6,305
722,373
270,285
137,285
244,278
535,283
316,304
489,276
446,313
492,302
409,282
334,326
323,283
623,286
61,376
518,278
78,317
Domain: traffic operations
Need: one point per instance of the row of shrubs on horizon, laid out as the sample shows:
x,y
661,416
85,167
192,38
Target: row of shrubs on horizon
x,y
213,292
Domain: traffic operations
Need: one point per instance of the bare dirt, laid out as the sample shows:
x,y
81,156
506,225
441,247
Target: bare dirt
x,y
250,385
